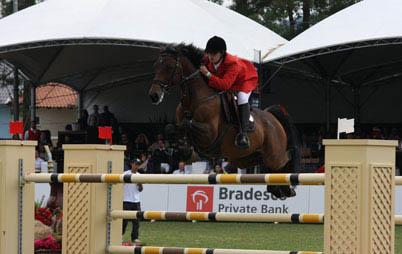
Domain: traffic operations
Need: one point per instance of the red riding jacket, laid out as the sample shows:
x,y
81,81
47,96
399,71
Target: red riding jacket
x,y
234,74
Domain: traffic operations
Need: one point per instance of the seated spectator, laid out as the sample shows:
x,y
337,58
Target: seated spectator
x,y
219,170
45,138
181,169
160,155
128,153
141,143
155,145
144,162
32,133
376,133
38,162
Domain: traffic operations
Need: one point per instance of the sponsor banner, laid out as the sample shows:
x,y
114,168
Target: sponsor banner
x,y
227,198
255,199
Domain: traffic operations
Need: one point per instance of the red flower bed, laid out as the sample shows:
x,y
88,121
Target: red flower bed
x,y
44,215
48,243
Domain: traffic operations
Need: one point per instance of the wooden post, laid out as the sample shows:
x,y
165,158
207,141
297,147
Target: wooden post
x,y
85,205
16,232
359,199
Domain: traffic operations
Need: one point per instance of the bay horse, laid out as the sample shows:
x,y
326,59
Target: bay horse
x,y
273,144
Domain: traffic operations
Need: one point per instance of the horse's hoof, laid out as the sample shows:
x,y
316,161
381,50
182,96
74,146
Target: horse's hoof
x,y
288,191
275,191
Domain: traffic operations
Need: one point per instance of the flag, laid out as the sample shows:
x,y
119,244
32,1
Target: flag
x,y
105,132
16,127
346,125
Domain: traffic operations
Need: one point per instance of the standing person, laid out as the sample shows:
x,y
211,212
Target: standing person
x,y
93,119
106,117
228,72
131,201
83,120
32,133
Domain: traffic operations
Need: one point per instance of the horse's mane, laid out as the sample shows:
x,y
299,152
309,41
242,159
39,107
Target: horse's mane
x,y
194,54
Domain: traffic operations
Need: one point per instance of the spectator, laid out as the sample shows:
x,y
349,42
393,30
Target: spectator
x,y
32,133
155,145
144,161
141,143
129,146
94,117
38,162
131,201
106,118
181,169
219,170
376,133
83,120
92,132
45,139
160,155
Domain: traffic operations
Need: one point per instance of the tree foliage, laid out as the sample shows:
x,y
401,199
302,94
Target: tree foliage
x,y
289,17
6,6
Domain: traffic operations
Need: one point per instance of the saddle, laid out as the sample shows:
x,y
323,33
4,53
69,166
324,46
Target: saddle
x,y
229,108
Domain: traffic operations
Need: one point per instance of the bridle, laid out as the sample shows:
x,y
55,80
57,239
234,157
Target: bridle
x,y
183,80
186,95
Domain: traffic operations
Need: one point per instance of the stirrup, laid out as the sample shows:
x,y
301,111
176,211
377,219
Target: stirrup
x,y
239,138
250,127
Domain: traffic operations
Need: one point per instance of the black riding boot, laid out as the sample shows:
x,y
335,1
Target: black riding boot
x,y
242,140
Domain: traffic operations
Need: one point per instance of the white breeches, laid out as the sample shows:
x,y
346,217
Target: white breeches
x,y
242,97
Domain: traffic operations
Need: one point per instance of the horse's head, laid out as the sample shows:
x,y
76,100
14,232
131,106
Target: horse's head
x,y
168,72
176,65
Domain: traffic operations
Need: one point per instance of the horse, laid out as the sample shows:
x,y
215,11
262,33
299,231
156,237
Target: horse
x,y
273,144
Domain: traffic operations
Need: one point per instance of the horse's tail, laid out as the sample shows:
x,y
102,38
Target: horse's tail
x,y
294,165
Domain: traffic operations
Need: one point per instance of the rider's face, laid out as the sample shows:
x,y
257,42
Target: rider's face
x,y
215,57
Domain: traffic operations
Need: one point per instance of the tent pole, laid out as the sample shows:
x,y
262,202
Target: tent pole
x,y
328,107
80,103
356,93
33,101
16,103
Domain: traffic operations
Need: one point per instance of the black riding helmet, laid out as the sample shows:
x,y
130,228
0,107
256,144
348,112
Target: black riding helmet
x,y
215,44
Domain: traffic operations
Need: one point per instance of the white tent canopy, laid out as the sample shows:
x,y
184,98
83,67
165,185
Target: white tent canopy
x,y
352,61
95,43
367,20
162,21
106,48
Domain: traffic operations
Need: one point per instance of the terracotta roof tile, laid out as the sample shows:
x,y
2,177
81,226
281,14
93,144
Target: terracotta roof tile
x,y
55,95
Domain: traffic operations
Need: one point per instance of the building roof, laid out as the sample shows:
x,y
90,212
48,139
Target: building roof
x,y
6,95
55,95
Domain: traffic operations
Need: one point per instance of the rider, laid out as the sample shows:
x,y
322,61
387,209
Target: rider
x,y
228,72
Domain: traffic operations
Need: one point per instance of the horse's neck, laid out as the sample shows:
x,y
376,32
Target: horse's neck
x,y
198,90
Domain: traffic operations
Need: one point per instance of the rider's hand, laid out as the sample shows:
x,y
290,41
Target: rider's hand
x,y
205,71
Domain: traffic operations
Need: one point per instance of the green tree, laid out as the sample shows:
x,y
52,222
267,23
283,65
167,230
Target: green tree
x,y
289,17
217,1
7,6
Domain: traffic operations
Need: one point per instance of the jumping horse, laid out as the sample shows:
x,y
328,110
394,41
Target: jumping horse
x,y
273,143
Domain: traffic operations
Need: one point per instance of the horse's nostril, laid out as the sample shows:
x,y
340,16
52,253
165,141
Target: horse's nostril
x,y
154,97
